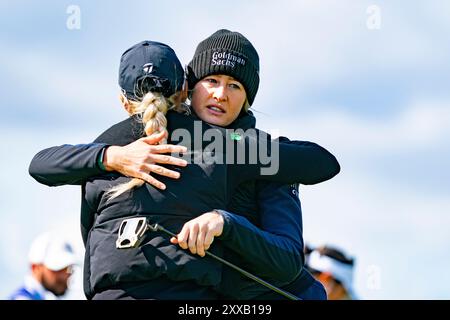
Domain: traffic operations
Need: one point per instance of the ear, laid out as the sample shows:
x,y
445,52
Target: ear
x,y
246,106
125,103
36,270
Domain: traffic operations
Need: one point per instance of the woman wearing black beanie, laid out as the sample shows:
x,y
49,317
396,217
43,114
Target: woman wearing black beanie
x,y
223,64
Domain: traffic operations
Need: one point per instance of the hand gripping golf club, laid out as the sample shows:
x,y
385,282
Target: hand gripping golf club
x,y
131,234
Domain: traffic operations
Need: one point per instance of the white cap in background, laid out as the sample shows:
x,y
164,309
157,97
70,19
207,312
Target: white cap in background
x,y
53,252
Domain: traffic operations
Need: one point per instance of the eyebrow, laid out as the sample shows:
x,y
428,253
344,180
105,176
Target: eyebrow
x,y
217,75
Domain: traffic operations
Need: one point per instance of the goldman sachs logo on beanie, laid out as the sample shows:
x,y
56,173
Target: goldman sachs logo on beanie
x,y
226,59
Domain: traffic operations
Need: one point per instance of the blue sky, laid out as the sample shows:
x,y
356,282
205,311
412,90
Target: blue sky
x,y
379,99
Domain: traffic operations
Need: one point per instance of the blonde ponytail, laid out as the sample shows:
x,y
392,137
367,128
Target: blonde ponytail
x,y
152,112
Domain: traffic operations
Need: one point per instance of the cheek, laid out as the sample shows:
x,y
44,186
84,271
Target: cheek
x,y
49,280
199,94
238,102
196,109
195,102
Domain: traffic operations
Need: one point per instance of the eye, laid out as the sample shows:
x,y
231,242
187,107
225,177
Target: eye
x,y
235,86
210,80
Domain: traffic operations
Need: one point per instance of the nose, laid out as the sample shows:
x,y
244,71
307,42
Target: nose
x,y
219,93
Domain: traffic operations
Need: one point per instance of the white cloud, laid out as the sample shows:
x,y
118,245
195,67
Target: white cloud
x,y
421,125
57,84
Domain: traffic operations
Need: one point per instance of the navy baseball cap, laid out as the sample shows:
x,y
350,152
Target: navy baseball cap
x,y
150,66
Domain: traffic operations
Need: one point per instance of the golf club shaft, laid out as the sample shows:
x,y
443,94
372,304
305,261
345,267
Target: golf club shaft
x,y
242,271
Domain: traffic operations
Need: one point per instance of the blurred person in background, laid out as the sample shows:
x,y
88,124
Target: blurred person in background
x,y
334,269
51,261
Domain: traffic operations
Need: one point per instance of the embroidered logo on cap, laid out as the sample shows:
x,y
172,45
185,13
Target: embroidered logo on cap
x,y
148,67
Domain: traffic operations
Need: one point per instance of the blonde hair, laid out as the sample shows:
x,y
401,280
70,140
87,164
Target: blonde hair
x,y
246,105
152,113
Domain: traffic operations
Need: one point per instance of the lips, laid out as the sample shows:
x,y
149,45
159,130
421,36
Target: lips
x,y
216,108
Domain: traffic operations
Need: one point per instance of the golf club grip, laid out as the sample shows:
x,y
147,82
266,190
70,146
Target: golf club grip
x,y
242,271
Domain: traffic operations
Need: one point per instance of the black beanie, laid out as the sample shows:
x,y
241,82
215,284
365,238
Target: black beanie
x,y
229,53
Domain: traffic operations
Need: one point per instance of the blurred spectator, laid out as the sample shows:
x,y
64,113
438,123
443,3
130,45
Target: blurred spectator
x,y
51,261
334,269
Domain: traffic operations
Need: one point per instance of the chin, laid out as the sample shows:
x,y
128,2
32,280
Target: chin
x,y
215,121
219,123
59,293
